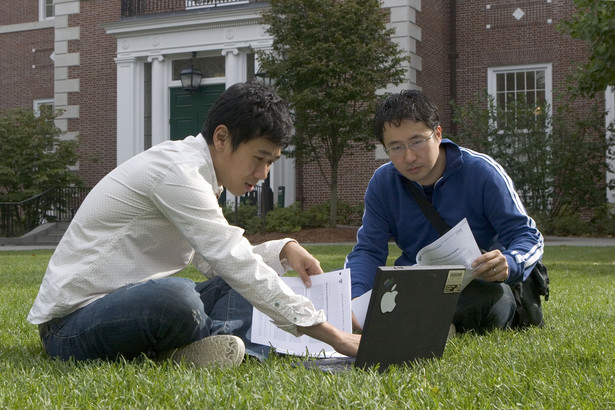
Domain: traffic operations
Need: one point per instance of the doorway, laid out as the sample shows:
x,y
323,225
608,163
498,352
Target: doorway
x,y
189,109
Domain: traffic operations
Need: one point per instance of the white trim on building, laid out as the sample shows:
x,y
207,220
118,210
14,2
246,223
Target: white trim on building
x,y
407,34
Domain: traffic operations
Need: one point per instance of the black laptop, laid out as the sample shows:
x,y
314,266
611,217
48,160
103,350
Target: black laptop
x,y
408,318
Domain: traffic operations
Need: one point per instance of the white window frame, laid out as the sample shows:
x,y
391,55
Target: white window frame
x,y
492,73
42,10
41,101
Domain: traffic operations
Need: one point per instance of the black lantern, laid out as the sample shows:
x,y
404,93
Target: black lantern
x,y
264,77
191,77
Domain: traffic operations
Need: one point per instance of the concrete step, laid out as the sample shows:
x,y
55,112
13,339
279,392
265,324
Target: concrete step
x,y
47,234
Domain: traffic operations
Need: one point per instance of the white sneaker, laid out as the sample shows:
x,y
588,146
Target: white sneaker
x,y
220,351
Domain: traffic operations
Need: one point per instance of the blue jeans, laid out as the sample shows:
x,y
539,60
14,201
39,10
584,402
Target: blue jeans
x,y
484,306
150,318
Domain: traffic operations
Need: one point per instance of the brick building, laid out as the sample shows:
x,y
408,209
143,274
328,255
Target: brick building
x,y
113,66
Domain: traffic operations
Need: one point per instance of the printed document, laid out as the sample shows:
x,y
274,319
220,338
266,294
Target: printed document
x,y
329,292
456,247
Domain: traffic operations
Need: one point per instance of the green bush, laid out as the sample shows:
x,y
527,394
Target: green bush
x,y
245,217
291,218
318,215
566,225
284,219
602,223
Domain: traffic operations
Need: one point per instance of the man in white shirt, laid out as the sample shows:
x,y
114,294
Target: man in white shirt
x,y
107,291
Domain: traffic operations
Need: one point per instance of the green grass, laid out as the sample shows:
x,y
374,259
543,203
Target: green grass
x,y
568,364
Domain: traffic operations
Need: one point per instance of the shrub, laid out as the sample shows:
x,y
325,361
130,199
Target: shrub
x,y
318,215
284,219
291,218
245,217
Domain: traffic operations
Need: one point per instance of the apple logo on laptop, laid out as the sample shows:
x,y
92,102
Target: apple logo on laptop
x,y
387,303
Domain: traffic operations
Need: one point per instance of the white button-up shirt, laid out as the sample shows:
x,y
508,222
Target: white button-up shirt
x,y
149,218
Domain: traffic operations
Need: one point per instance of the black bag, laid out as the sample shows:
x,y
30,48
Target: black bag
x,y
527,293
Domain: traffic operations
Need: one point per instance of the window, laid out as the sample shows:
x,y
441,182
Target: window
x,y
38,105
46,9
513,86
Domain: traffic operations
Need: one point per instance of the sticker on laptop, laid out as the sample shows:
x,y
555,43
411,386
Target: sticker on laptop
x,y
387,302
453,281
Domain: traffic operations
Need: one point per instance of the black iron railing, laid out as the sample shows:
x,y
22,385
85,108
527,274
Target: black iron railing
x,y
261,197
54,205
142,7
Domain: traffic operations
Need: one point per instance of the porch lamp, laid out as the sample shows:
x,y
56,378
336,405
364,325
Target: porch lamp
x,y
264,77
191,77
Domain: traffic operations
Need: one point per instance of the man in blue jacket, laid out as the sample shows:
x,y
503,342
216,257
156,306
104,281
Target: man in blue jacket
x,y
460,183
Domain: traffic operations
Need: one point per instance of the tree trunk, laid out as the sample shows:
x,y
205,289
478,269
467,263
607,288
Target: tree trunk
x,y
333,198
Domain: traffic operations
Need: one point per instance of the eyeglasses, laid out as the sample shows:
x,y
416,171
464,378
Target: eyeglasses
x,y
398,149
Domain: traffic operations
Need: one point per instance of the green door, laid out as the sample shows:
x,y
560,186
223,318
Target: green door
x,y
189,109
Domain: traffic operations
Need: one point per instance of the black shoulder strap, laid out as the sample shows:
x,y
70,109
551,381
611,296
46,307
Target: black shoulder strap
x,y
427,207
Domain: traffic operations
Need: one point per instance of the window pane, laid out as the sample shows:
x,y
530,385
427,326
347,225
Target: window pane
x,y
500,85
540,80
510,81
520,81
501,100
530,81
49,12
540,97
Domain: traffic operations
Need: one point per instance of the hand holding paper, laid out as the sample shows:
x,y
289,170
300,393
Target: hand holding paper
x,y
329,292
456,247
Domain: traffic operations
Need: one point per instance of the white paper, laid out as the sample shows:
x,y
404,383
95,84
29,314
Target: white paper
x,y
456,247
329,292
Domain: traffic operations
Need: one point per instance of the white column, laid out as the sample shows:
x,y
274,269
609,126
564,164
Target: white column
x,y
235,66
160,116
283,174
129,108
235,73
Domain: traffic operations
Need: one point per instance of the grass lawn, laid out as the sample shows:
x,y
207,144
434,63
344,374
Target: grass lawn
x,y
568,364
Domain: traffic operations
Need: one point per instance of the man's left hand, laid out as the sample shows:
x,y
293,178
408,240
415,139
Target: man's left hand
x,y
491,266
301,261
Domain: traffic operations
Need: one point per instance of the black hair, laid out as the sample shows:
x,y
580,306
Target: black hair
x,y
407,105
250,110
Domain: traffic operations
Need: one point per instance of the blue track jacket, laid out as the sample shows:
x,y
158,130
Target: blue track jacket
x,y
473,186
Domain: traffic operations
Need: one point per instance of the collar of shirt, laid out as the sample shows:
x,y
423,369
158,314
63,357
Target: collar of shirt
x,y
204,149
